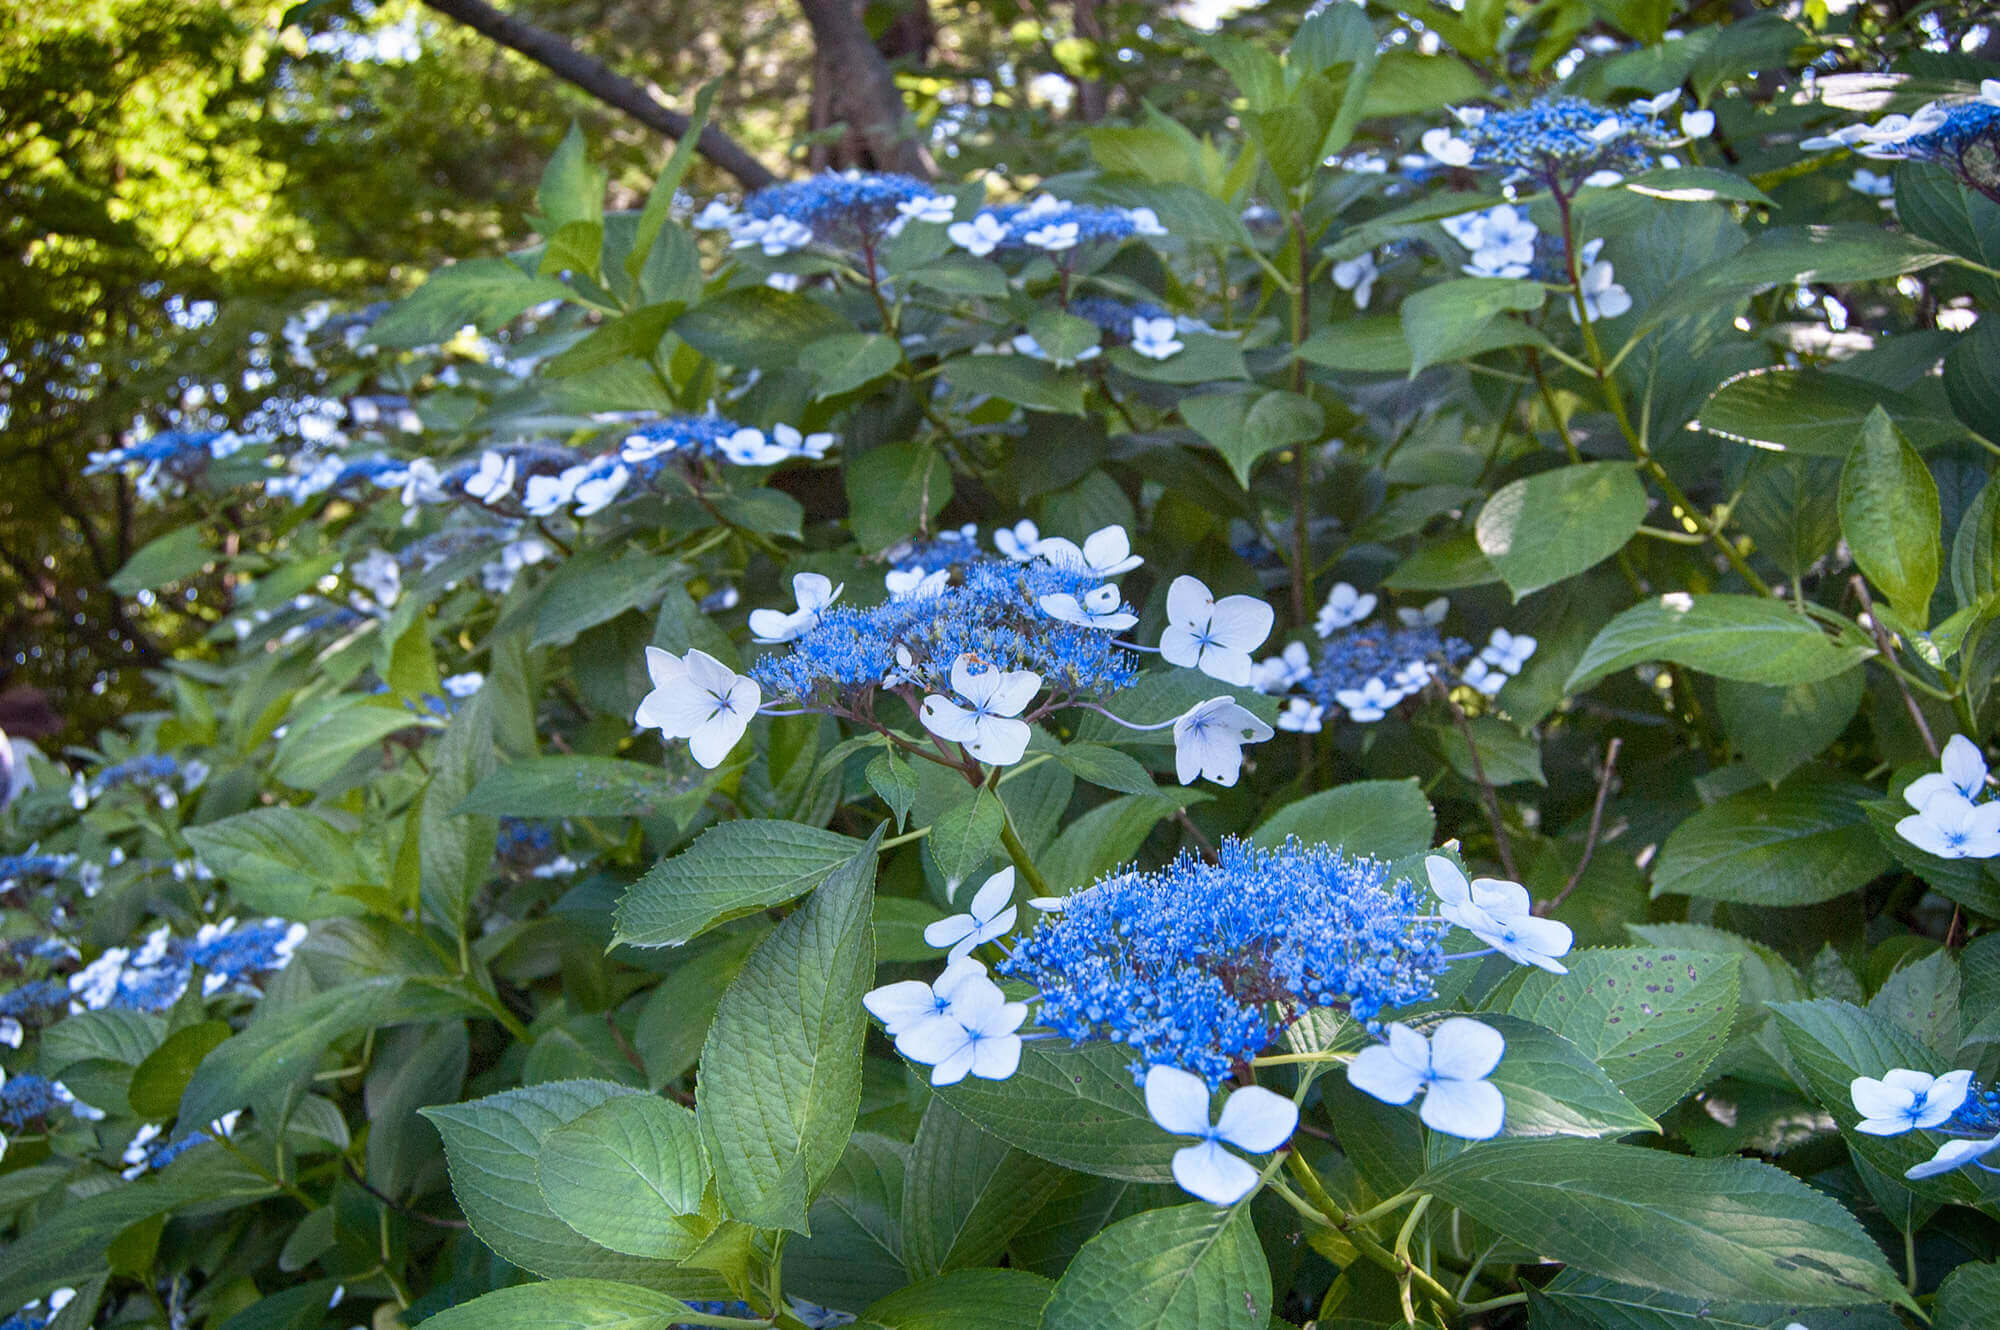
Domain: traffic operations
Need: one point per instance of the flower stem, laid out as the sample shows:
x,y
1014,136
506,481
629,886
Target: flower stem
x,y
1018,852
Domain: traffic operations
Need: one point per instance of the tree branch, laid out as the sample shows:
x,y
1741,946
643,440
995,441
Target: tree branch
x,y
862,89
600,81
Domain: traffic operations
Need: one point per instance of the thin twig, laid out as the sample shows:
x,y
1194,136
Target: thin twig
x,y
1487,796
1590,837
436,1220
1888,651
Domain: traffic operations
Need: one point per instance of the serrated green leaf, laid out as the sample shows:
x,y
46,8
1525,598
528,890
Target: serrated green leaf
x,y
780,1078
1653,1019
966,1192
1889,514
733,869
1548,527
1799,844
1728,1229
965,1300
1389,819
563,785
628,1175
1076,1107
1748,638
1190,1267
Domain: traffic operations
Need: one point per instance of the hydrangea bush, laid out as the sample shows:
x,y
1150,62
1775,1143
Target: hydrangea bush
x,y
1380,722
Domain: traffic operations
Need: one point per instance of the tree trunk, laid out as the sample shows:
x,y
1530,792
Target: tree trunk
x,y
1091,95
854,86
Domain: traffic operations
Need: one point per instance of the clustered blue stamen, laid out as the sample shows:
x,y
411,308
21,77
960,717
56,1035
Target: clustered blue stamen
x,y
1557,140
1979,1115
1201,966
698,437
151,769
851,210
34,998
1093,223
1115,316
993,612
155,978
1353,656
19,869
184,451
27,1097
948,550
1968,142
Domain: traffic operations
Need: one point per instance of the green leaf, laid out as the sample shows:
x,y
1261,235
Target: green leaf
x,y
313,751
846,361
1694,184
1189,1267
1542,529
965,1300
69,1246
180,553
676,1017
1450,564
565,1304
1975,549
110,1034
1202,359
966,1193
660,202
485,293
1889,514
1552,1087
889,775
1718,1228
854,1254
965,836
283,861
591,590
1748,638
1063,338
1072,1106
1371,345
1105,837
491,1146
1967,1296
568,786
780,1078
1777,729
1800,844
1972,378
1506,756
1813,413
1455,318
1022,380
1106,767
757,327
895,490
1653,1019
635,334
732,869
1388,819
1821,255
282,1046
626,1175
1573,1301
572,189
963,275
159,1082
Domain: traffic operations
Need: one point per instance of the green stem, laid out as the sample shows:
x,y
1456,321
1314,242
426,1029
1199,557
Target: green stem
x,y
1019,854
904,839
1615,400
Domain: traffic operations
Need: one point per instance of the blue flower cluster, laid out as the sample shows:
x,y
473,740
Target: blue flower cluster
x,y
181,452
1961,135
1051,225
29,1098
22,869
34,998
1200,966
154,977
1398,657
991,612
1559,140
697,437
1115,316
851,210
948,550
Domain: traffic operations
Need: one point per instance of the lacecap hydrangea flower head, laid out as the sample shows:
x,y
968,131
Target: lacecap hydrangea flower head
x,y
978,648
